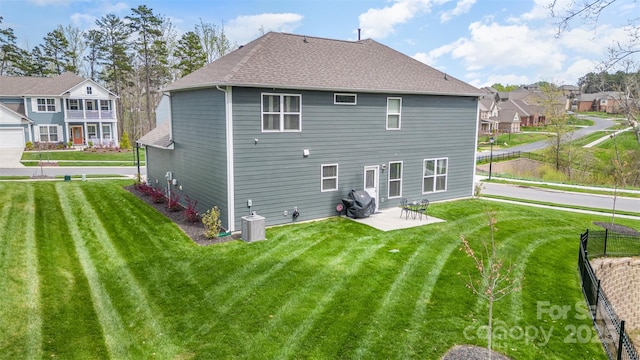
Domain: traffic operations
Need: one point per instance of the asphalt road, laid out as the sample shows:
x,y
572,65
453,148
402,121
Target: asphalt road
x,y
562,197
598,125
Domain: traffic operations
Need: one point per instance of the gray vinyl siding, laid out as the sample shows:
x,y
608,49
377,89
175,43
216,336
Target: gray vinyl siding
x,y
274,174
199,159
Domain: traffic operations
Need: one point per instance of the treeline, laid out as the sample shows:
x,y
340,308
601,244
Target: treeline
x,y
134,57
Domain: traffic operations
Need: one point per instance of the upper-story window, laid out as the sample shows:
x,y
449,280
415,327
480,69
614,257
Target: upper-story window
x,y
105,105
89,90
345,99
46,105
74,104
281,112
394,110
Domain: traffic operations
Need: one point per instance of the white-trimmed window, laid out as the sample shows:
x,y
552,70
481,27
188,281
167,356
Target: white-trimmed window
x,y
281,113
105,105
46,105
394,110
434,178
92,131
74,104
329,177
106,131
395,179
48,133
89,90
345,99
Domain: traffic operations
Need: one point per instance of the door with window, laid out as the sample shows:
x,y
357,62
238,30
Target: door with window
x,y
76,135
371,181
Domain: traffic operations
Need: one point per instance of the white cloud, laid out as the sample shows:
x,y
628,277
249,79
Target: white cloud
x,y
83,21
379,23
462,7
246,28
499,46
50,2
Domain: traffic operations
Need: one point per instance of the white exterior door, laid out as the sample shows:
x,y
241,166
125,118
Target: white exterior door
x,y
371,181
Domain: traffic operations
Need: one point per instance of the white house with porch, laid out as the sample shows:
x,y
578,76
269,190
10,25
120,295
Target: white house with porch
x,y
66,109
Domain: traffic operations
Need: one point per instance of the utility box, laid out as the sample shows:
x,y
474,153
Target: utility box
x,y
253,228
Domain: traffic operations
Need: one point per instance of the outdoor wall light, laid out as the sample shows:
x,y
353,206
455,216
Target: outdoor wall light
x,y
305,152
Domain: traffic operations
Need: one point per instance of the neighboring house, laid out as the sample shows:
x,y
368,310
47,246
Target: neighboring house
x,y
296,122
66,108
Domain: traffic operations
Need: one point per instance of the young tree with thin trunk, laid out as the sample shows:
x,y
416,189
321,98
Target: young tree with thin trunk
x,y
496,281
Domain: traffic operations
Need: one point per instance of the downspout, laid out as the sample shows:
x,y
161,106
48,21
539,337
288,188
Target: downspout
x,y
230,163
475,147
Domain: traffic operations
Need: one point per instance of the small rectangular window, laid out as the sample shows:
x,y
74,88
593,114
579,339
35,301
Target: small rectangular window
x,y
104,105
394,110
74,104
434,178
345,99
92,131
106,131
329,177
395,179
89,90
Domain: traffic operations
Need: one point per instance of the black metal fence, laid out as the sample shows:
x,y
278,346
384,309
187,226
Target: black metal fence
x,y
610,327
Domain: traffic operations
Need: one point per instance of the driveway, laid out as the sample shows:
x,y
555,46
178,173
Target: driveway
x,y
10,158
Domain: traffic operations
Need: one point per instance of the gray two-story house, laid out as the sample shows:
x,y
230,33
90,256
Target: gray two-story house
x,y
296,122
58,110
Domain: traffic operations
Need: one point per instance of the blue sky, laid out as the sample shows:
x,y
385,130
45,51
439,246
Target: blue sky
x,y
481,42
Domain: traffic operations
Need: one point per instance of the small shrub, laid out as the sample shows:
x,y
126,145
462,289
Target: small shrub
x,y
173,202
90,143
29,145
125,143
157,195
190,213
70,144
211,222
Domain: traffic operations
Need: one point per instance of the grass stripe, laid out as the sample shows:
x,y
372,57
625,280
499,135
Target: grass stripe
x,y
420,310
302,293
113,265
115,333
34,324
244,288
292,342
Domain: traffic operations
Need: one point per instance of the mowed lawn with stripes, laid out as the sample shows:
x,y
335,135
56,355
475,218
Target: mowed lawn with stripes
x,y
88,271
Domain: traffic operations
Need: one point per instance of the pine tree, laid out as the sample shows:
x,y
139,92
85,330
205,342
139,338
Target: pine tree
x,y
56,54
190,53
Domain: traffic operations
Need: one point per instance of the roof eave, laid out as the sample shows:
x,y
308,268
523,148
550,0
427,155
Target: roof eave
x,y
290,87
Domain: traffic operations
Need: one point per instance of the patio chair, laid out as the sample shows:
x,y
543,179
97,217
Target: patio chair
x,y
404,208
422,209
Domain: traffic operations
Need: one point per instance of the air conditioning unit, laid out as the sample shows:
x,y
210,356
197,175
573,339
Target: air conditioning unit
x,y
253,228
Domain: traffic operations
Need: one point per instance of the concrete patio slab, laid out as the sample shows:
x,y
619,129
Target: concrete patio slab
x,y
390,219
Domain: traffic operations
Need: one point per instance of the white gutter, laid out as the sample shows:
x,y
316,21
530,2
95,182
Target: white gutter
x,y
228,99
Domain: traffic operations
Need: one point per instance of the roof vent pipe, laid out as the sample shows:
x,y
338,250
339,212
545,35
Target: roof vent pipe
x,y
358,34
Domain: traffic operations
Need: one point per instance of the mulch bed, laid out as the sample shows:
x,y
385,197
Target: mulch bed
x,y
619,229
468,352
195,231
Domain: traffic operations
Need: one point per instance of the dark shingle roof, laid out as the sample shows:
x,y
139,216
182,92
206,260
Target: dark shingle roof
x,y
159,137
28,85
303,62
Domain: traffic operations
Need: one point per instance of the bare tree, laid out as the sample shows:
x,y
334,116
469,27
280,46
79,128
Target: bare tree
x,y
496,281
590,11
